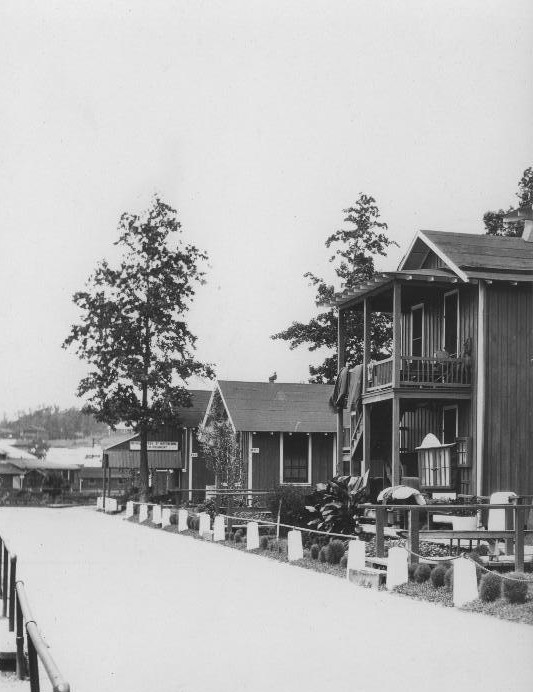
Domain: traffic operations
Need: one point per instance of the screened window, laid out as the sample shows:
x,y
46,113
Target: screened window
x,y
451,313
417,330
295,458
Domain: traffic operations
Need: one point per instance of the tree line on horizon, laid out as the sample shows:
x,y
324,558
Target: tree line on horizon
x,y
58,423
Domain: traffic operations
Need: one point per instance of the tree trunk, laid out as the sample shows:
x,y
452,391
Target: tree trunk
x,y
143,467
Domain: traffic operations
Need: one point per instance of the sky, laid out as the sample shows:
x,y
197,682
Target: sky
x,y
260,122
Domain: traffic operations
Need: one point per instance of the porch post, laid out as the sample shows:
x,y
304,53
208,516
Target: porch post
x,y
341,360
366,342
396,332
480,389
366,438
395,446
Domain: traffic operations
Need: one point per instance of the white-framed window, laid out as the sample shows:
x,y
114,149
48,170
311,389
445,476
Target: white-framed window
x,y
295,451
450,424
450,322
417,330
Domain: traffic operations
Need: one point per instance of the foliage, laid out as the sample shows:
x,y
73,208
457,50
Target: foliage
x,y
515,588
335,552
221,450
174,519
332,506
343,564
323,554
448,578
56,423
493,220
190,522
238,536
292,500
422,573
490,587
411,569
263,543
438,574
133,334
314,550
356,249
209,508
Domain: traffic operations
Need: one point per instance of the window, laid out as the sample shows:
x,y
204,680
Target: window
x,y
450,428
451,322
295,458
417,330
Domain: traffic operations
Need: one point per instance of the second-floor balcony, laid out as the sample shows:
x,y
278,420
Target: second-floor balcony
x,y
437,372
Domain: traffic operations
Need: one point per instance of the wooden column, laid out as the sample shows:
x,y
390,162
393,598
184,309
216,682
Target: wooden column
x,y
341,360
380,532
396,332
366,342
366,438
395,446
480,389
519,539
414,536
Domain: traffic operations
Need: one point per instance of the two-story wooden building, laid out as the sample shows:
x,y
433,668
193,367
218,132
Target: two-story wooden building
x,y
461,365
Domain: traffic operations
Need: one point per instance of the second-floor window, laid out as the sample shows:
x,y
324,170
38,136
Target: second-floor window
x,y
417,330
451,323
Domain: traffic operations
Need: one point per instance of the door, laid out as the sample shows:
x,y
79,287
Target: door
x,y
449,424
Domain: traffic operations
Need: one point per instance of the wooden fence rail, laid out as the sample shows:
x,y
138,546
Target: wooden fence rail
x,y
15,605
516,514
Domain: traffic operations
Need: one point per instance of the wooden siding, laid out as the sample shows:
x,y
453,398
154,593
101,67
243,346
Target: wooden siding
x,y
508,454
433,261
322,457
201,475
265,464
126,459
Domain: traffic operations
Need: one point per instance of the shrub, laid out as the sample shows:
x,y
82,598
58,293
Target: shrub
x,y
437,576
195,523
315,549
422,573
411,569
448,578
190,521
323,554
229,535
482,549
173,519
515,589
335,552
292,500
263,543
238,536
490,587
344,561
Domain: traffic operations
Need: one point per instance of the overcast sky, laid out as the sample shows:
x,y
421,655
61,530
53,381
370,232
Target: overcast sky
x,y
259,122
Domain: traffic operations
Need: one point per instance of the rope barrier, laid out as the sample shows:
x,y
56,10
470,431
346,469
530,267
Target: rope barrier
x,y
293,528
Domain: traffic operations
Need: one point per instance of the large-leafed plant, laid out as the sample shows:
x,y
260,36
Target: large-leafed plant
x,y
333,505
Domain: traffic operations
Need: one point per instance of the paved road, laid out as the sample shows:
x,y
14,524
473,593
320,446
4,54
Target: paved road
x,y
132,609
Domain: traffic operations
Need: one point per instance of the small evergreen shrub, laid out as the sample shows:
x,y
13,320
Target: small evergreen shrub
x,y
315,549
411,569
490,587
335,552
263,543
422,573
344,562
514,590
195,523
229,536
437,576
482,550
238,536
323,554
448,578
190,521
174,519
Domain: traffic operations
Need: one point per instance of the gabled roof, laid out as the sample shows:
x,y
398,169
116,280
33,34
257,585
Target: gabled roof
x,y
192,417
278,407
474,256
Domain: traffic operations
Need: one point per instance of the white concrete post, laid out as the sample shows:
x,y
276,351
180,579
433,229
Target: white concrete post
x,y
165,517
397,567
294,544
205,523
219,529
129,509
252,536
356,555
143,513
464,582
183,515
156,514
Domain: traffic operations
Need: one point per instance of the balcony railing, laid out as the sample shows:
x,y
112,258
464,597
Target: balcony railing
x,y
421,371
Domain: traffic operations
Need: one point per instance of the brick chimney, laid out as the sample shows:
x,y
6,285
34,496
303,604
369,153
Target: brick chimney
x,y
524,214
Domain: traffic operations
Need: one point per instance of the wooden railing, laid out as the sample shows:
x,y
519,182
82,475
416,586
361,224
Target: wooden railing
x,y
16,608
516,516
421,371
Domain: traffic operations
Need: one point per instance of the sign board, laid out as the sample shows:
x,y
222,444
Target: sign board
x,y
255,450
194,455
155,446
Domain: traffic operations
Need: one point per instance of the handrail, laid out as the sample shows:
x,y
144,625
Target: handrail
x,y
20,613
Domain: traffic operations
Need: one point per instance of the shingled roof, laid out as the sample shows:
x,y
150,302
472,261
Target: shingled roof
x,y
283,407
192,416
474,256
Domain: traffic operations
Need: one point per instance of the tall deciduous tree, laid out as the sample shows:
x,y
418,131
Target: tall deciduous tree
x,y
356,248
133,332
493,220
